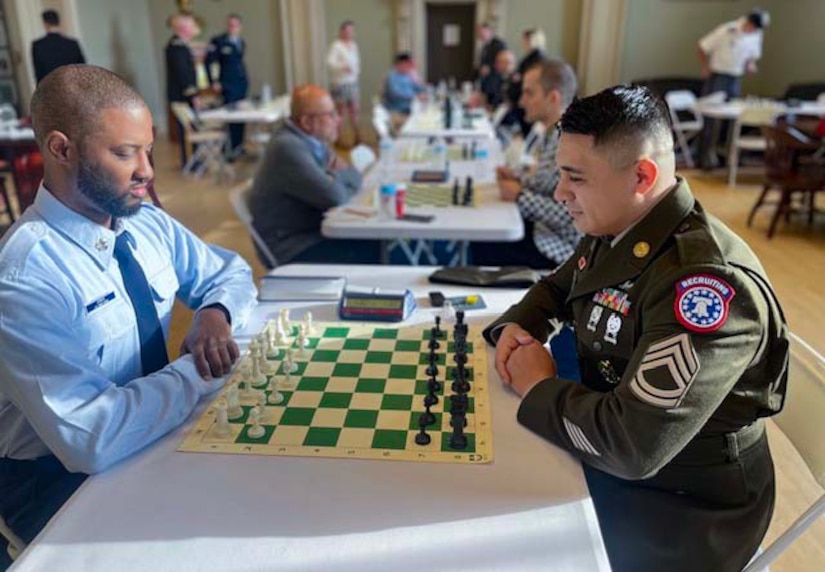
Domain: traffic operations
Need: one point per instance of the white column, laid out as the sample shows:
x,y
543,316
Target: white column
x,y
601,44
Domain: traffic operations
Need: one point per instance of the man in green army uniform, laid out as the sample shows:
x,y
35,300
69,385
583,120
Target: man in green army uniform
x,y
682,349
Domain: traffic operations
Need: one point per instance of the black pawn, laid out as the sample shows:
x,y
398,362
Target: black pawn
x,y
433,385
427,418
438,325
464,151
423,438
459,317
430,399
456,189
432,370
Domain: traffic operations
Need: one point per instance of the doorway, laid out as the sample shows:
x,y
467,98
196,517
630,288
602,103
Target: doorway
x,y
450,42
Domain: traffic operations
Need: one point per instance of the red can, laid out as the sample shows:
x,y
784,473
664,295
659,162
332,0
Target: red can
x,y
400,200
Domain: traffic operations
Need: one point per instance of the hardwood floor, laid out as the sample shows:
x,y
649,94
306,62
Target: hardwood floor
x,y
794,260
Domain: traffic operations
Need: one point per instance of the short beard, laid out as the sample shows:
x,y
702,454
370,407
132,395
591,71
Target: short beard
x,y
99,188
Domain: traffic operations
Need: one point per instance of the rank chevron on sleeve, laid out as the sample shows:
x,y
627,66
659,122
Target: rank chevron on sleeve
x,y
666,372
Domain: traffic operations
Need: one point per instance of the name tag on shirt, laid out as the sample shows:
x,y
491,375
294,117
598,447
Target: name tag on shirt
x,y
102,301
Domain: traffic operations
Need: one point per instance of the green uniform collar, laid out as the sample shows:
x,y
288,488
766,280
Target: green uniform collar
x,y
637,248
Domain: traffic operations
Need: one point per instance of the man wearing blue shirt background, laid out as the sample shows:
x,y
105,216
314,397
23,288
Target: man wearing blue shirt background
x,y
227,50
400,88
88,276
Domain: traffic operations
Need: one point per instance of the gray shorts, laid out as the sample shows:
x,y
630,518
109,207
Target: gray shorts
x,y
345,93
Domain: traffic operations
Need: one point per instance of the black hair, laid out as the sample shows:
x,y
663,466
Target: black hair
x,y
628,119
51,17
402,57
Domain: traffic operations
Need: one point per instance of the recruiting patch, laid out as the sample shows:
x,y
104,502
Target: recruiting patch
x,y
702,302
613,299
666,372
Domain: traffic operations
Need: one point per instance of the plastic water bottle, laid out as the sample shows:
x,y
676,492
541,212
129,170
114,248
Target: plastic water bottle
x,y
439,154
266,94
481,159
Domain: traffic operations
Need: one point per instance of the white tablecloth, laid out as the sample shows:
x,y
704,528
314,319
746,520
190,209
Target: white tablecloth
x,y
163,510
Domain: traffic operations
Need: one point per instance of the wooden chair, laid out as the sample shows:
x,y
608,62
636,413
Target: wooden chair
x,y
206,146
790,170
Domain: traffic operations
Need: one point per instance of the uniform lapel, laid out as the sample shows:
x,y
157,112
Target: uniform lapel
x,y
615,265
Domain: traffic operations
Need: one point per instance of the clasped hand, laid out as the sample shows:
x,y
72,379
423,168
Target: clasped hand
x,y
521,360
210,342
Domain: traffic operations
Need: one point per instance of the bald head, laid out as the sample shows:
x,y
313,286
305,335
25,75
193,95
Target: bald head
x,y
308,99
71,100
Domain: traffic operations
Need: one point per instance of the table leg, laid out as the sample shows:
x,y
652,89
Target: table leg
x,y
386,246
463,250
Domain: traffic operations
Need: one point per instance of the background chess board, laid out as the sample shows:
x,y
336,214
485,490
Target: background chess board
x,y
357,394
422,154
428,195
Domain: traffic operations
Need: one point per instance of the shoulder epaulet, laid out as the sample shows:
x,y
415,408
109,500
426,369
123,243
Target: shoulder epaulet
x,y
696,243
19,244
175,41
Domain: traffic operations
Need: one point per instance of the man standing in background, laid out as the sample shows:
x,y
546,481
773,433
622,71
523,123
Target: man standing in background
x,y
727,53
344,64
181,80
227,50
491,45
54,49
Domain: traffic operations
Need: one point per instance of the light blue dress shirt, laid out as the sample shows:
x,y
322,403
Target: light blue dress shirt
x,y
70,370
399,91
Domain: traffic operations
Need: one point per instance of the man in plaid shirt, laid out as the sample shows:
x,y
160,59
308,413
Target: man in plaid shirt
x,y
549,234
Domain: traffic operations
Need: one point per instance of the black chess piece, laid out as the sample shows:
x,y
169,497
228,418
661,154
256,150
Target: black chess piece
x,y
464,151
465,198
427,418
423,438
432,370
438,325
473,150
433,385
459,419
430,399
460,358
458,440
456,188
459,316
460,384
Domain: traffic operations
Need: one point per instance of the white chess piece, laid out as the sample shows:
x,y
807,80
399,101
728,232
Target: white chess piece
x,y
289,362
234,410
258,377
262,406
275,396
281,339
308,327
303,342
256,431
222,429
271,345
284,317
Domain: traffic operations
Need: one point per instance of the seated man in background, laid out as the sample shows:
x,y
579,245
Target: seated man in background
x,y
88,276
493,84
301,177
549,234
401,86
682,348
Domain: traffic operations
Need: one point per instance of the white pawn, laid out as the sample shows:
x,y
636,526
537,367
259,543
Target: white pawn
x,y
284,318
275,396
221,419
244,383
234,410
262,406
256,431
271,345
289,362
308,328
281,339
253,348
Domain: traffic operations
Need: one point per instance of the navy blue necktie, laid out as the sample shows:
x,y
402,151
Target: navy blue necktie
x,y
152,345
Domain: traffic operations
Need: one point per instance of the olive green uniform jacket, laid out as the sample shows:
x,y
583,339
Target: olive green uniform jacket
x,y
682,347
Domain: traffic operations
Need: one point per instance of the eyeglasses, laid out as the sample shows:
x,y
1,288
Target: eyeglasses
x,y
333,114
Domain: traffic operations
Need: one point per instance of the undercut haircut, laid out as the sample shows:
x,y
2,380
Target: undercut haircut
x,y
626,122
557,74
51,17
71,99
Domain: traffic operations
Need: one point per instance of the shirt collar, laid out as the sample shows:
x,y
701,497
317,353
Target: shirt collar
x,y
319,149
95,240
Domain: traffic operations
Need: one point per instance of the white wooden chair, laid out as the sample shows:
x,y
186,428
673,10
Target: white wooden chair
x,y
16,545
801,421
750,117
682,103
205,145
238,196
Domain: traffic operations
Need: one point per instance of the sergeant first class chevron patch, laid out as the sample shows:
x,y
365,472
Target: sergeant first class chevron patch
x,y
666,372
702,302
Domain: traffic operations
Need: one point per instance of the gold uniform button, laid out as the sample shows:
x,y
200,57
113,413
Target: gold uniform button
x,y
641,249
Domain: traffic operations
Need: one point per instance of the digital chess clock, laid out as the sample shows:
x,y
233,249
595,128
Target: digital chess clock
x,y
376,305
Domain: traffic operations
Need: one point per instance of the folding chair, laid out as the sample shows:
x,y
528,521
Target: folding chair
x,y
207,145
686,119
381,121
750,117
801,422
238,198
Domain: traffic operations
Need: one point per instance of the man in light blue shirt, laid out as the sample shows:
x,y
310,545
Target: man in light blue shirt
x,y
401,86
88,276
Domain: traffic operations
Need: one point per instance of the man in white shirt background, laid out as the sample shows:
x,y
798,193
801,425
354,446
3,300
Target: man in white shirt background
x,y
727,53
344,65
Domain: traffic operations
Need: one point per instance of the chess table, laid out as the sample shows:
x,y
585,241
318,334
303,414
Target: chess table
x,y
161,509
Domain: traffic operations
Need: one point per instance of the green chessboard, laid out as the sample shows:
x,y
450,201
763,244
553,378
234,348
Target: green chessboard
x,y
422,154
427,195
357,393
